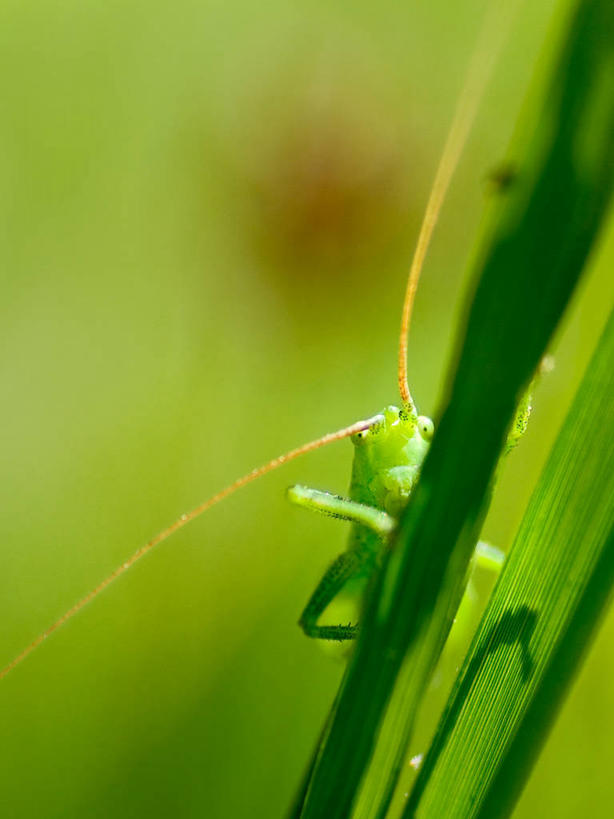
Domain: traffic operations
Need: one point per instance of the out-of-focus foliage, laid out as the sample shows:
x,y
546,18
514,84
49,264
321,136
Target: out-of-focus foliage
x,y
185,293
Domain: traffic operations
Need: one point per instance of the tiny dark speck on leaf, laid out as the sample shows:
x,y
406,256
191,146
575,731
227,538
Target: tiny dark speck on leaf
x,y
502,177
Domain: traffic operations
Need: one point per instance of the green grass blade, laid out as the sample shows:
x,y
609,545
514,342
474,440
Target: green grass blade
x,y
529,265
538,624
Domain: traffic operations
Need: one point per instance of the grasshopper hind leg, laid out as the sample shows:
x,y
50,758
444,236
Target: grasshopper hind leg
x,y
347,566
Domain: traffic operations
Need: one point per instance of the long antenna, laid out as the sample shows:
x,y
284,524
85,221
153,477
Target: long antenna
x,y
490,41
182,521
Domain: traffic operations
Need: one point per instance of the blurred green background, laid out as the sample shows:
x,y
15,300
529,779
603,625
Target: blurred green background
x,y
207,211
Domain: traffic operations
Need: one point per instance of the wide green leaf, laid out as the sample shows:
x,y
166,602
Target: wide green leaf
x,y
538,624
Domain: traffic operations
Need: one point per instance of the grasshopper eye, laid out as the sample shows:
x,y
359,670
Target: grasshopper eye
x,y
425,427
359,437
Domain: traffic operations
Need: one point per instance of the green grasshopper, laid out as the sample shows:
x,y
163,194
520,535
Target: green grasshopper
x,y
387,460
389,448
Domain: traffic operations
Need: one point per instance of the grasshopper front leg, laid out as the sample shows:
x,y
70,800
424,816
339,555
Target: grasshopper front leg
x,y
335,506
347,566
344,568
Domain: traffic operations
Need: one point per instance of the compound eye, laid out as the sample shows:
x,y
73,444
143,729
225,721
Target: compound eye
x,y
359,437
425,427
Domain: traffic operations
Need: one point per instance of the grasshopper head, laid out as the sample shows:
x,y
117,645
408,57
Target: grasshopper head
x,y
388,456
395,425
399,437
